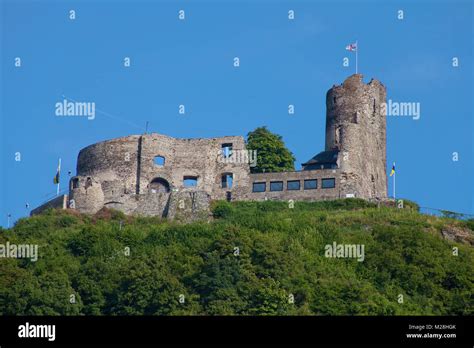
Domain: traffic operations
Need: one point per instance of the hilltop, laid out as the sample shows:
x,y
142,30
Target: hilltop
x,y
252,258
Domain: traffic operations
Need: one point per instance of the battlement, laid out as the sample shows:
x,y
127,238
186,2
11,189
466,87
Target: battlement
x,y
356,81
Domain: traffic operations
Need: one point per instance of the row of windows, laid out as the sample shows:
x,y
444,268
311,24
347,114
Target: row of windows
x,y
294,185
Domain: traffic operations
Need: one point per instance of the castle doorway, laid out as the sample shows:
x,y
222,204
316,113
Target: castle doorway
x,y
159,185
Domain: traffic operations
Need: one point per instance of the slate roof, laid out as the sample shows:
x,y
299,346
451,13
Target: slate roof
x,y
324,157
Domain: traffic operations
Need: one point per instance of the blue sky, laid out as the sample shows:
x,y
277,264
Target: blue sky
x,y
190,62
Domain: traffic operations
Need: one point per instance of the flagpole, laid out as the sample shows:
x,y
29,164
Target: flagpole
x,y
394,176
59,176
357,52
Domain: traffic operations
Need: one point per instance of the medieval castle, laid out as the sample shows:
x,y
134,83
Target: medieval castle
x,y
154,174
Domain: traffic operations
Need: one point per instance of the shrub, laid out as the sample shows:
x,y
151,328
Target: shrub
x,y
222,209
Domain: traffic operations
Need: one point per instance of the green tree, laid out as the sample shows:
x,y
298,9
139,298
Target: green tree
x,y
272,154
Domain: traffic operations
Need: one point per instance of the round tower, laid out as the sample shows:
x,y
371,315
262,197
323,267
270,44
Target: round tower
x,y
356,127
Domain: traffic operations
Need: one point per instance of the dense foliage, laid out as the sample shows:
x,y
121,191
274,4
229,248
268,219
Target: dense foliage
x,y
272,154
252,259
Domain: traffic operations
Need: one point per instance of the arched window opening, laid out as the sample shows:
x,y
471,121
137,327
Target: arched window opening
x,y
159,185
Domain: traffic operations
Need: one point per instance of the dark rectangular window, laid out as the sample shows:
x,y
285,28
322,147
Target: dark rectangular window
x,y
226,150
293,185
276,186
190,181
328,183
75,183
259,187
311,184
227,180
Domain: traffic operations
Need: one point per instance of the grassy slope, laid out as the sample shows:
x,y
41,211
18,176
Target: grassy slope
x,y
281,254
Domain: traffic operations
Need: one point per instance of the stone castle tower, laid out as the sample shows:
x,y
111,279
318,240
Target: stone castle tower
x,y
356,129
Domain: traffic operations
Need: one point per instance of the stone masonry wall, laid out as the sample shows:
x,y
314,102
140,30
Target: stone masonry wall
x,y
120,173
356,126
59,202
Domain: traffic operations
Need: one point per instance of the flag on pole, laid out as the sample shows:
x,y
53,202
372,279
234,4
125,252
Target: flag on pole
x,y
352,47
56,177
392,172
